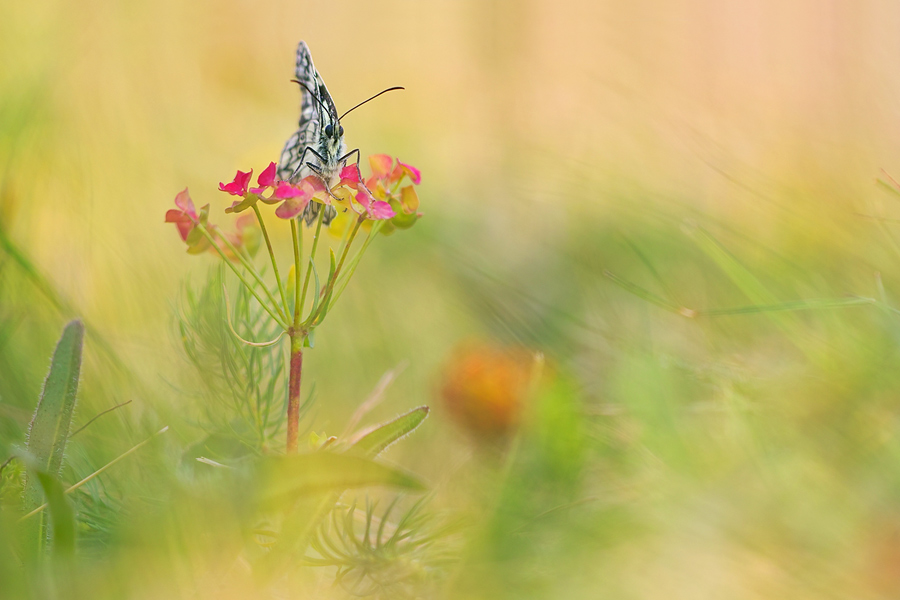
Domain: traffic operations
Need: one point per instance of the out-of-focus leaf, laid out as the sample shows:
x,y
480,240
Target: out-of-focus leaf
x,y
50,426
286,478
374,440
62,517
220,447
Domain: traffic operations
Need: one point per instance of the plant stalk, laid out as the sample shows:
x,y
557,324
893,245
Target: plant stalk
x,y
296,367
293,411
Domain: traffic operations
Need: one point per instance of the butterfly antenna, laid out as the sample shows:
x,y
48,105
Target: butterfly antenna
x,y
316,96
390,89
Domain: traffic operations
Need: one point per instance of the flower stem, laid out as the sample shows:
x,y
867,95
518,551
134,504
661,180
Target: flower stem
x,y
312,256
240,276
293,411
297,336
256,276
297,237
351,268
265,233
326,298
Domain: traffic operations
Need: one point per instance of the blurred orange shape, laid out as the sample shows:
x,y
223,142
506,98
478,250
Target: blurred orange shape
x,y
485,387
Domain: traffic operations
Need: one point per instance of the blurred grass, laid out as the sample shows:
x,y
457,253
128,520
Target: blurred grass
x,y
714,156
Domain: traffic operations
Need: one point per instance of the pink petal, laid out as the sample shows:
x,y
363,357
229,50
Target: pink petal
x,y
181,221
364,197
183,201
350,176
380,210
381,165
315,183
291,208
244,221
286,190
174,216
414,173
238,187
267,177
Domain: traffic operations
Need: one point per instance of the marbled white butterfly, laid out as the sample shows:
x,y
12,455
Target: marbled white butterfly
x,y
317,147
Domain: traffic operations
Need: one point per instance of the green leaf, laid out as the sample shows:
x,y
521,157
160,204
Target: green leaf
x,y
333,266
62,517
887,186
284,479
330,283
318,290
228,447
374,440
50,426
402,219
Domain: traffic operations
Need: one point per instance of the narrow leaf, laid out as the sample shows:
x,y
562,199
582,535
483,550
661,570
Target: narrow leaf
x,y
315,305
62,517
642,293
286,478
374,440
50,426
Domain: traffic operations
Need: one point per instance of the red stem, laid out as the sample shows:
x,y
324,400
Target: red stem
x,y
293,411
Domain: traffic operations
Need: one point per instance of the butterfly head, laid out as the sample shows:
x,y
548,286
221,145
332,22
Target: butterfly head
x,y
334,132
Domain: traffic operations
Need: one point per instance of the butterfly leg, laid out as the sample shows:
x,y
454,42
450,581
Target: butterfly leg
x,y
300,162
348,155
358,172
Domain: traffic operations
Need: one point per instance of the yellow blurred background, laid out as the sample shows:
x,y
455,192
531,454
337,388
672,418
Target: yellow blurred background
x,y
556,140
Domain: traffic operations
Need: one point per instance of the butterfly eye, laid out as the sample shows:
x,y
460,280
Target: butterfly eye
x,y
341,130
329,129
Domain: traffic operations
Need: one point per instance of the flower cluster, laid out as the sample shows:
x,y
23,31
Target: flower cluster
x,y
384,193
387,196
378,198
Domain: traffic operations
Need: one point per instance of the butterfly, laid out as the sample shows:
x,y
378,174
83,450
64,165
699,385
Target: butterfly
x,y
317,147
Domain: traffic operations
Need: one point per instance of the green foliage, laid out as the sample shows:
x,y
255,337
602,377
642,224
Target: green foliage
x,y
376,439
49,431
384,559
243,384
62,518
285,478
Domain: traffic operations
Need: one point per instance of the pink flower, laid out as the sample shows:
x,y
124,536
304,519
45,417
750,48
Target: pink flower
x,y
296,197
265,180
377,210
381,165
382,197
238,187
186,220
404,169
246,236
185,217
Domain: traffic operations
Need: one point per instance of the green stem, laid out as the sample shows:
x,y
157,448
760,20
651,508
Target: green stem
x,y
240,276
312,257
297,237
295,372
353,264
337,271
265,233
256,276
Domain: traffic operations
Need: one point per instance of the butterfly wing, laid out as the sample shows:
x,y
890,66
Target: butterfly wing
x,y
292,164
308,128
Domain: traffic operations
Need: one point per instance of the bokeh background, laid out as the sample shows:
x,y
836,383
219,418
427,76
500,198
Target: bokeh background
x,y
717,155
